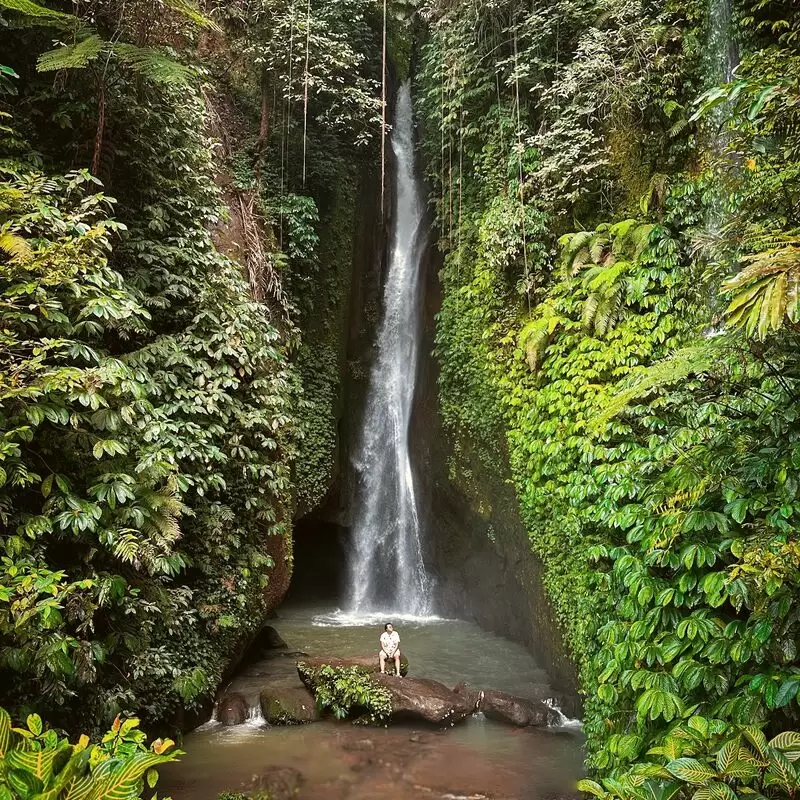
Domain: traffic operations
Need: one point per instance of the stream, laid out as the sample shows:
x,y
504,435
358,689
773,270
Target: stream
x,y
331,760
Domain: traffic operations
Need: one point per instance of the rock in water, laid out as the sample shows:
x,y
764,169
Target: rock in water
x,y
278,783
288,705
268,639
517,710
369,663
472,696
421,698
232,709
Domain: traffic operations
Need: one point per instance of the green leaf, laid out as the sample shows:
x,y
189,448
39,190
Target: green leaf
x,y
37,762
727,755
5,732
593,788
691,770
36,11
788,742
34,723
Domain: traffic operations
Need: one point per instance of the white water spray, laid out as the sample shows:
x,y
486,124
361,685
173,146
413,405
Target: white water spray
x,y
387,571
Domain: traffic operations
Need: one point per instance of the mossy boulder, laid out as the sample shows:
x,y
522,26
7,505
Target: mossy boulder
x,y
288,705
368,663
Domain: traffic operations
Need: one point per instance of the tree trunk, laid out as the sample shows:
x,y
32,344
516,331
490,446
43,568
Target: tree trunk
x,y
101,124
263,134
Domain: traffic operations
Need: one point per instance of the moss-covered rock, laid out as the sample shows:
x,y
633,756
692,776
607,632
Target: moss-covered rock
x,y
282,705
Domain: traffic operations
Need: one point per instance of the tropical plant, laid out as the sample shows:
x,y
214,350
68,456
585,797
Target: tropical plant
x,y
38,762
348,692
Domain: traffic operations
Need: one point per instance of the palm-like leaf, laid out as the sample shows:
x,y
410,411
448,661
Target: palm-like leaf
x,y
37,12
766,291
152,64
537,334
190,10
694,360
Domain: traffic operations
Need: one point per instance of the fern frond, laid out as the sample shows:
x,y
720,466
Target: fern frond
x,y
571,246
190,10
71,56
41,14
15,246
10,197
600,251
640,238
537,334
152,64
589,314
694,360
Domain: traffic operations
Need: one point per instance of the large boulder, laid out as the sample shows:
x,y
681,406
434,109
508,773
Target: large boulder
x,y
288,705
369,663
517,710
424,699
232,709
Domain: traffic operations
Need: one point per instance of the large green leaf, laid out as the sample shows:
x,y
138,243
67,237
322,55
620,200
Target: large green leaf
x,y
38,12
691,770
119,780
727,755
72,56
788,742
36,762
5,732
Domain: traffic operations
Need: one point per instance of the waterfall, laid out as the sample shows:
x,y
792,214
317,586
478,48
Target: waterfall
x,y
722,53
721,60
387,571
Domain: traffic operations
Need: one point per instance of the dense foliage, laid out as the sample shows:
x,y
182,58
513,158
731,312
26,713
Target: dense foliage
x,y
604,191
153,362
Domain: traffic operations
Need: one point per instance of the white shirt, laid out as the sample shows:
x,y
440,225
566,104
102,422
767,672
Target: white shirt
x,y
390,642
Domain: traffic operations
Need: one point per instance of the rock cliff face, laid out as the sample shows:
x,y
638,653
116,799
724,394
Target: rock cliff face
x,y
477,544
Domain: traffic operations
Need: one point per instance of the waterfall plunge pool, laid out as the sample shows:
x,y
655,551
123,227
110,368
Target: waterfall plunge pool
x,y
477,758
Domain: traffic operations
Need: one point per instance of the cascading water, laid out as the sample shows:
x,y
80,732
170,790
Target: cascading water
x,y
721,61
722,54
387,571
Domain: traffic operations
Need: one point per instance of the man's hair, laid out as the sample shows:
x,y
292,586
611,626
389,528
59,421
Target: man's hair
x,y
385,627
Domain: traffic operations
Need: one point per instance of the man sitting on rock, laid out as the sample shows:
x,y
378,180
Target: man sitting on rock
x,y
390,648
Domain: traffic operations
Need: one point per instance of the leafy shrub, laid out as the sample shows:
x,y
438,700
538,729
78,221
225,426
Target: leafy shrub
x,y
348,692
39,763
706,759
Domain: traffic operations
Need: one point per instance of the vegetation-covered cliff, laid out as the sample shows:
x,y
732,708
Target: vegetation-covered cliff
x,y
615,191
169,356
615,186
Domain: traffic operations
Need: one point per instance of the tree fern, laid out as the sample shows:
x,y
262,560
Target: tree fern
x,y
191,11
36,11
72,56
693,360
152,64
146,61
15,246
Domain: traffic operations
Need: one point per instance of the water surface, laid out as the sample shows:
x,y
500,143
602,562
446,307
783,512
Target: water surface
x,y
477,758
